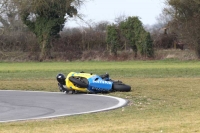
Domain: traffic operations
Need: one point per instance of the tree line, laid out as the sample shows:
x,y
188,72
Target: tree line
x,y
37,26
131,32
181,21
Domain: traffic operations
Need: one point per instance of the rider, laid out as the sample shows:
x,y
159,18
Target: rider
x,y
61,82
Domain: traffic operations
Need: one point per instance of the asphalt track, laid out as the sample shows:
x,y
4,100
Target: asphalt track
x,y
29,105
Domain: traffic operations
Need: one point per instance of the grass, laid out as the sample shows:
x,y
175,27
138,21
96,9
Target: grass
x,y
164,97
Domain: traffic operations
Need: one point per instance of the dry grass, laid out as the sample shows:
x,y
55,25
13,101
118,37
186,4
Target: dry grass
x,y
176,54
35,84
156,105
164,97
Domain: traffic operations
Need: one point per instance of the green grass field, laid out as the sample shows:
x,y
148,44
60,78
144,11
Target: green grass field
x,y
165,96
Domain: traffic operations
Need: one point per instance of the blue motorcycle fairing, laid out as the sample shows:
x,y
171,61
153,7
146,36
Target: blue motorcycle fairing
x,y
97,84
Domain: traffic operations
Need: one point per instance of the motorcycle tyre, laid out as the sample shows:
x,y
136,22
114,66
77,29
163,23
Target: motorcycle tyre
x,y
78,82
121,87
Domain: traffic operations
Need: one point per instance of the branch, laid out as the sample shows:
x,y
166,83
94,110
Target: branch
x,y
4,22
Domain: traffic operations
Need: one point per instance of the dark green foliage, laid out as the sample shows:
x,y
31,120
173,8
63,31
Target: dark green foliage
x,y
113,38
46,20
132,29
149,51
129,32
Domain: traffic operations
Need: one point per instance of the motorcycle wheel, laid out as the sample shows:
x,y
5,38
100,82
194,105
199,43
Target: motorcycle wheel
x,y
117,86
79,82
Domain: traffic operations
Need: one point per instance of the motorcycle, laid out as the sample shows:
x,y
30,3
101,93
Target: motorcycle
x,y
77,82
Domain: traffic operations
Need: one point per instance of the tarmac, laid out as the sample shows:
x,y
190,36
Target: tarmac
x,y
30,105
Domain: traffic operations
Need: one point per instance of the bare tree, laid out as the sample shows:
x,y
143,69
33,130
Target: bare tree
x,y
185,21
9,16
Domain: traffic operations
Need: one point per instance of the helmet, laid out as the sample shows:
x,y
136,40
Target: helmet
x,y
61,78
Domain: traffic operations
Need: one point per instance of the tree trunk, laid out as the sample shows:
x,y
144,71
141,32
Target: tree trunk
x,y
45,48
134,48
198,49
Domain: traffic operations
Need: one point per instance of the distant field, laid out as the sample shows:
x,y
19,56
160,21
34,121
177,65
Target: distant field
x,y
164,97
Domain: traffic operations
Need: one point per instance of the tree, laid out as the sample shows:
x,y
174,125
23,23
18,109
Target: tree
x,y
9,17
119,19
149,51
113,38
46,19
185,20
133,30
13,33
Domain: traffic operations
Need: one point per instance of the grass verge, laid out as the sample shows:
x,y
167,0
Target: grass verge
x,y
164,96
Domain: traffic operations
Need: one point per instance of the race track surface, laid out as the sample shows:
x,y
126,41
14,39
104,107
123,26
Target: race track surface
x,y
26,105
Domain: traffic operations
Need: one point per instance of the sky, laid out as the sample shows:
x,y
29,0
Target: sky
x,y
107,10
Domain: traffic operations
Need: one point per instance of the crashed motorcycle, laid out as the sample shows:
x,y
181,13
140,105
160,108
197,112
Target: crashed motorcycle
x,y
77,82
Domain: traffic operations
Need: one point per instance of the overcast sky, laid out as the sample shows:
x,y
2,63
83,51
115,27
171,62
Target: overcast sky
x,y
101,10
